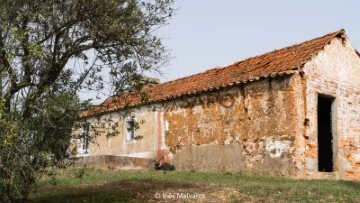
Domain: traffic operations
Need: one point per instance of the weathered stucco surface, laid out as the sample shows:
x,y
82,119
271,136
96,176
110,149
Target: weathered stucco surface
x,y
335,71
251,127
108,133
115,162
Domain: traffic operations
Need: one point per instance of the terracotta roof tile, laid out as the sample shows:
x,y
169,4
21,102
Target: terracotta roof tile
x,y
278,62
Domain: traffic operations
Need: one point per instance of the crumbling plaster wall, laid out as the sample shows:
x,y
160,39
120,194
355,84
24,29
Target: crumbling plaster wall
x,y
335,71
253,126
108,133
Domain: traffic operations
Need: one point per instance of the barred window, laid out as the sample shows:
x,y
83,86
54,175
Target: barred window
x,y
85,138
130,126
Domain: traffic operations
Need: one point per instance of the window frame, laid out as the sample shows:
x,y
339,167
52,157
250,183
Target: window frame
x,y
130,128
84,140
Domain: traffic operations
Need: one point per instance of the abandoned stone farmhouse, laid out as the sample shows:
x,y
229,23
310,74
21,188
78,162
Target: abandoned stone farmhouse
x,y
290,112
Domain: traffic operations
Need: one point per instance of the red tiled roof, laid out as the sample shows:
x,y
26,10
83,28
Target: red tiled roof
x,y
275,63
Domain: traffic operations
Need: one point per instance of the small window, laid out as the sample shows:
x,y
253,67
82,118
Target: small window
x,y
130,126
85,138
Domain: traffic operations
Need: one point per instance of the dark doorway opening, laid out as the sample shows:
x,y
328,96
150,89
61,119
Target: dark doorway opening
x,y
325,136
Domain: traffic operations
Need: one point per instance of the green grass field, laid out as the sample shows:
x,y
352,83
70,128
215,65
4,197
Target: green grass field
x,y
92,185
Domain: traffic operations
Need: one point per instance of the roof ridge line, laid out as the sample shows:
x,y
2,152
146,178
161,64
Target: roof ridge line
x,y
338,32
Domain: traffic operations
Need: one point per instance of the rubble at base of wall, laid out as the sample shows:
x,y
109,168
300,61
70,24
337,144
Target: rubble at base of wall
x,y
114,162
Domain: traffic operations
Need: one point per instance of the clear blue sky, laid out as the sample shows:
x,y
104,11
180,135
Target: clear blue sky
x,y
207,33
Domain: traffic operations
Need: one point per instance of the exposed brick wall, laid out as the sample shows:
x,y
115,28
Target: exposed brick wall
x,y
335,72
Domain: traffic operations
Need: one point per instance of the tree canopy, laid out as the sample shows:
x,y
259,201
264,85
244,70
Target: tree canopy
x,y
49,51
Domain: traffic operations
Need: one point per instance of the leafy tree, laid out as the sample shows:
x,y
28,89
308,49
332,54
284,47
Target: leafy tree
x,y
51,50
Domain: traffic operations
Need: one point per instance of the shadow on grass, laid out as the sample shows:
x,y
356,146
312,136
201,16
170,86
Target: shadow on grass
x,y
141,186
117,191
